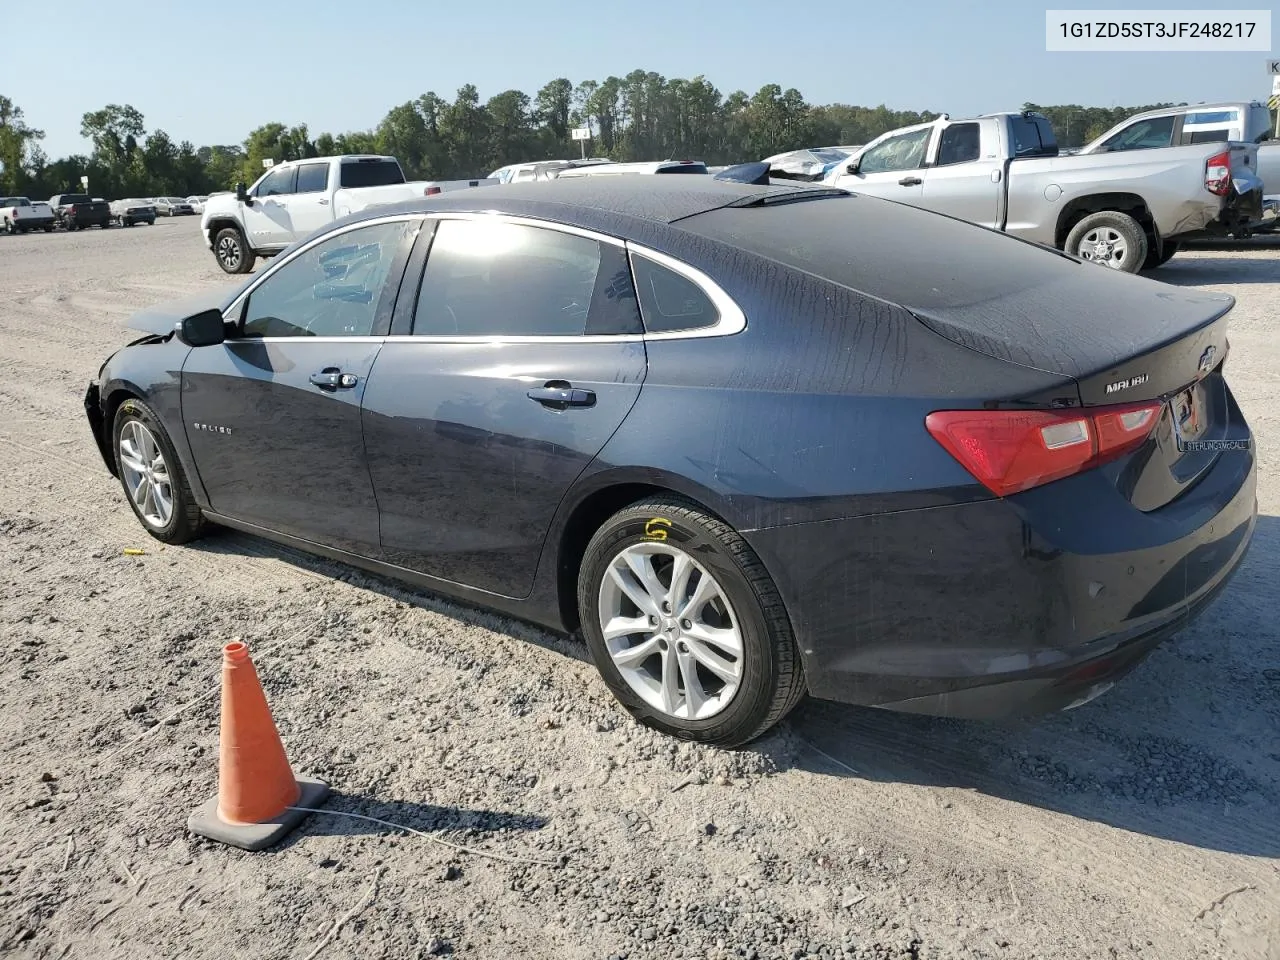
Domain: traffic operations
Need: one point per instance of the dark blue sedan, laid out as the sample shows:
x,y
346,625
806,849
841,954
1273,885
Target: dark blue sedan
x,y
752,441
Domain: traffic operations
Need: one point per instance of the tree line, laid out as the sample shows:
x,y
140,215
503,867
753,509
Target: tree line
x,y
642,116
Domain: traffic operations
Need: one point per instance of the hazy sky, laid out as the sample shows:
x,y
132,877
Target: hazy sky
x,y
211,72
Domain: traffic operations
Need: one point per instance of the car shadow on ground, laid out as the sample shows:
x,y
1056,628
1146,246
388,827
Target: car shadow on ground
x,y
1186,748
1221,267
350,815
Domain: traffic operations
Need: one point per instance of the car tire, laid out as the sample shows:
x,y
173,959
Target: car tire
x,y
48,229
9,228
1110,238
139,438
232,252
765,669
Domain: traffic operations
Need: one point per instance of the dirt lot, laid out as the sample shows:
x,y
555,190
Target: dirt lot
x,y
1144,824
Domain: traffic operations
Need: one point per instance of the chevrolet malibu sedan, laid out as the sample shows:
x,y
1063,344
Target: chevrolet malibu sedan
x,y
753,441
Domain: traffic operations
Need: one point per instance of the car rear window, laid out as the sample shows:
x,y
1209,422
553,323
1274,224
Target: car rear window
x,y
371,173
16,202
684,168
76,198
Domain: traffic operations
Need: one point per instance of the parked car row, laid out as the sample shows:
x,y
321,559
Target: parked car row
x,y
77,211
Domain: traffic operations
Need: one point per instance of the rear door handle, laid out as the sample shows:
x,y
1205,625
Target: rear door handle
x,y
559,395
910,182
331,378
324,203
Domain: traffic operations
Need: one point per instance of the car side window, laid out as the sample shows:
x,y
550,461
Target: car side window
x,y
492,278
312,178
903,152
331,290
1143,135
960,143
670,301
278,183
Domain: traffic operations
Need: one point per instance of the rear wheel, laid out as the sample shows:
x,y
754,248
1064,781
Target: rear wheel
x,y
1110,238
152,477
686,626
9,227
232,252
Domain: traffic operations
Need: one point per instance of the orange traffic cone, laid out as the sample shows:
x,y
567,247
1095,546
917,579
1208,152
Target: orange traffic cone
x,y
258,795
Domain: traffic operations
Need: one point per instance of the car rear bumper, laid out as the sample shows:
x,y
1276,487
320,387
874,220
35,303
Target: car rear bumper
x,y
1006,607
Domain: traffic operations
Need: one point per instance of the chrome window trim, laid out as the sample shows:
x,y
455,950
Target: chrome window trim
x,y
525,222
278,263
732,319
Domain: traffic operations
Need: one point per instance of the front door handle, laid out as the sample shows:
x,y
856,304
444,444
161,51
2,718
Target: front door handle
x,y
324,203
559,395
331,378
910,182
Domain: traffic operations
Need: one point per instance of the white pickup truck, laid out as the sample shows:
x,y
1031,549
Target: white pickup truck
x,y
18,215
294,199
1127,210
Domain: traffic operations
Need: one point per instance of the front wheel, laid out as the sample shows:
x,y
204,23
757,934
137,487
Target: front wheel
x,y
1110,238
232,252
153,480
686,626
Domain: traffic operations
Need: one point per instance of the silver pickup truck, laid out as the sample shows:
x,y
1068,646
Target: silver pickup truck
x,y
1125,210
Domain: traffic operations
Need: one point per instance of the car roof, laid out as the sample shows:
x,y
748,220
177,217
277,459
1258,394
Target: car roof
x,y
618,205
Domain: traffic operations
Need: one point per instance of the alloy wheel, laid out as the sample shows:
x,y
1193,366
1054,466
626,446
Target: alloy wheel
x,y
1104,245
671,631
146,474
229,252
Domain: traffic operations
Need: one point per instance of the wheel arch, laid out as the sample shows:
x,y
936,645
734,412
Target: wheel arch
x,y
221,223
1078,208
588,513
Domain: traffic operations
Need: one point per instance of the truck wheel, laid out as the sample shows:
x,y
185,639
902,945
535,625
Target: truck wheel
x,y
9,228
49,229
1110,238
232,251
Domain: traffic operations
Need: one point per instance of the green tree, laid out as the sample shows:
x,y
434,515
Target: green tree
x,y
18,144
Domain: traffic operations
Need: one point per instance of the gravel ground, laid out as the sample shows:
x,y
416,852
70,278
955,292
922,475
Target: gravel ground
x,y
1143,824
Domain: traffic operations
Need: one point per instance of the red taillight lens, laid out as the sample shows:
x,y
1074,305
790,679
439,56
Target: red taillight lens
x,y
431,191
1217,174
1013,450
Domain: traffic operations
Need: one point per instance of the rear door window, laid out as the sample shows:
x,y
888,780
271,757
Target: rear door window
x,y
488,278
960,143
313,177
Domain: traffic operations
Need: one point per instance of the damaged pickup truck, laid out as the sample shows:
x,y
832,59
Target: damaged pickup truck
x,y
1128,211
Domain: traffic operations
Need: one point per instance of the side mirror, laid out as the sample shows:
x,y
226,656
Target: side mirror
x,y
205,329
853,167
242,194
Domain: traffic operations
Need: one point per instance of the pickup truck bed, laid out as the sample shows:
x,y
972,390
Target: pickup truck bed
x,y
76,210
20,215
1003,171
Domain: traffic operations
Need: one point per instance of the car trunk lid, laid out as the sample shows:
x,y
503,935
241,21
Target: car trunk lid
x,y
1131,340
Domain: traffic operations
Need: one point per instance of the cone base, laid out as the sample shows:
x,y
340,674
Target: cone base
x,y
205,822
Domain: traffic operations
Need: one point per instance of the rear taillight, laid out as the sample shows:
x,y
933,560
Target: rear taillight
x,y
431,191
1013,450
1217,174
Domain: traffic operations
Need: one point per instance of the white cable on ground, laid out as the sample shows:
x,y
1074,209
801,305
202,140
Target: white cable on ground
x,y
444,843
